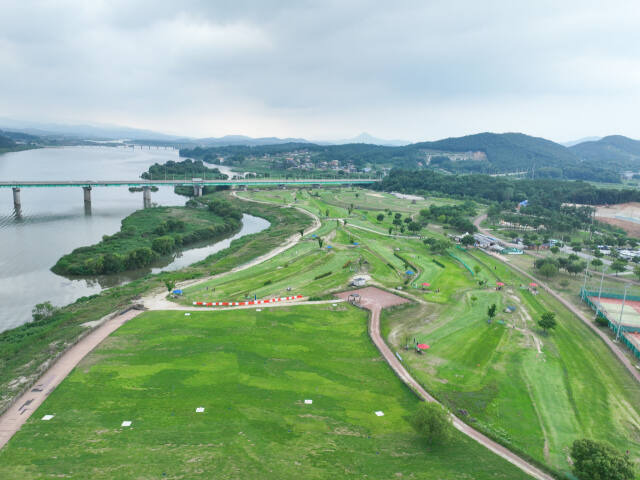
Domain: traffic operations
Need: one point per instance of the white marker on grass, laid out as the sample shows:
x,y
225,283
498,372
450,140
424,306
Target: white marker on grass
x,y
187,314
380,413
48,417
126,423
308,402
258,310
199,409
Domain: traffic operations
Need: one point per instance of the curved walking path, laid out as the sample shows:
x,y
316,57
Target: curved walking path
x,y
27,403
21,410
401,372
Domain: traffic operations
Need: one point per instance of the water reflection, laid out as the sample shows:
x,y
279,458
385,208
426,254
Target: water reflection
x,y
195,253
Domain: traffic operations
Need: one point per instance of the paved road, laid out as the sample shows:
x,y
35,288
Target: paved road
x,y
401,372
190,181
565,249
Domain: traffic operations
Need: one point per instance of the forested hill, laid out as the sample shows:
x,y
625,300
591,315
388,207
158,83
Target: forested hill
x,y
6,142
13,141
506,152
548,192
489,153
615,151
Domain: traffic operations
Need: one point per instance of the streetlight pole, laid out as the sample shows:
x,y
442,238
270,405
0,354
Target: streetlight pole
x,y
586,273
626,287
600,291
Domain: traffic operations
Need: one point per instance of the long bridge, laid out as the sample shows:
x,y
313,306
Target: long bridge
x,y
196,183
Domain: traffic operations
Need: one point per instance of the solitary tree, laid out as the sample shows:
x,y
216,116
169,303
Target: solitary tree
x,y
433,422
554,250
596,461
491,311
476,269
596,262
547,321
320,242
43,311
170,284
636,271
380,217
618,266
301,231
467,240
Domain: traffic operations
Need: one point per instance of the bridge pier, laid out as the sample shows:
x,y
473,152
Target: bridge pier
x,y
87,196
16,198
197,190
146,196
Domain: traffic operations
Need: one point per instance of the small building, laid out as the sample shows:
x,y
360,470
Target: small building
x,y
359,282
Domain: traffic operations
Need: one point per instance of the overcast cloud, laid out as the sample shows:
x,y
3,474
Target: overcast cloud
x,y
413,70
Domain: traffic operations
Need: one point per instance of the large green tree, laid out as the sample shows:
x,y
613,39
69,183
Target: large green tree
x,y
597,461
433,422
547,321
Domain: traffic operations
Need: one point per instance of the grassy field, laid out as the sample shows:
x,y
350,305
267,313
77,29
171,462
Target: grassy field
x,y
26,350
537,402
310,270
251,371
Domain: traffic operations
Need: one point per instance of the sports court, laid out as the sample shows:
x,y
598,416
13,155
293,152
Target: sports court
x,y
612,307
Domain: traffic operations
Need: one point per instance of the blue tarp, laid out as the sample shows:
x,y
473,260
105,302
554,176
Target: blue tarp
x,y
177,292
409,272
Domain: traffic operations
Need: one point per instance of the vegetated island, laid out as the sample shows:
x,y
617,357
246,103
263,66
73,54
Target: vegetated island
x,y
149,234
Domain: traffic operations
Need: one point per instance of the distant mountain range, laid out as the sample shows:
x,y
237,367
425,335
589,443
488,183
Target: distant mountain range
x,y
593,158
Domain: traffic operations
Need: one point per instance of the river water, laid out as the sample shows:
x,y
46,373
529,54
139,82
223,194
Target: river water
x,y
53,221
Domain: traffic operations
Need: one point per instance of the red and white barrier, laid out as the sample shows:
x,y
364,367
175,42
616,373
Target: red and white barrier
x,y
249,302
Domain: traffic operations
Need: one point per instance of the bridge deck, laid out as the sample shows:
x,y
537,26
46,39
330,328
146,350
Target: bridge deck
x,y
158,183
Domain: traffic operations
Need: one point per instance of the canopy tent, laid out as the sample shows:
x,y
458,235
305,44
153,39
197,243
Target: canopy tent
x,y
425,284
177,292
533,284
500,284
423,346
410,272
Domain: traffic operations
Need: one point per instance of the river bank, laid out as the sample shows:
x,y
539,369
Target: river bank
x,y
28,350
149,235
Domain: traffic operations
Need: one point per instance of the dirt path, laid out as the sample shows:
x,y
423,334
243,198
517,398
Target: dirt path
x,y
401,372
25,405
587,321
158,300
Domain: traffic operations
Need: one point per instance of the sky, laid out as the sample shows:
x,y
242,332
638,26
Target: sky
x,y
414,70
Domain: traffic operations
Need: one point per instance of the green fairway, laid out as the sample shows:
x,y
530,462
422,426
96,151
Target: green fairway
x,y
537,402
251,371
